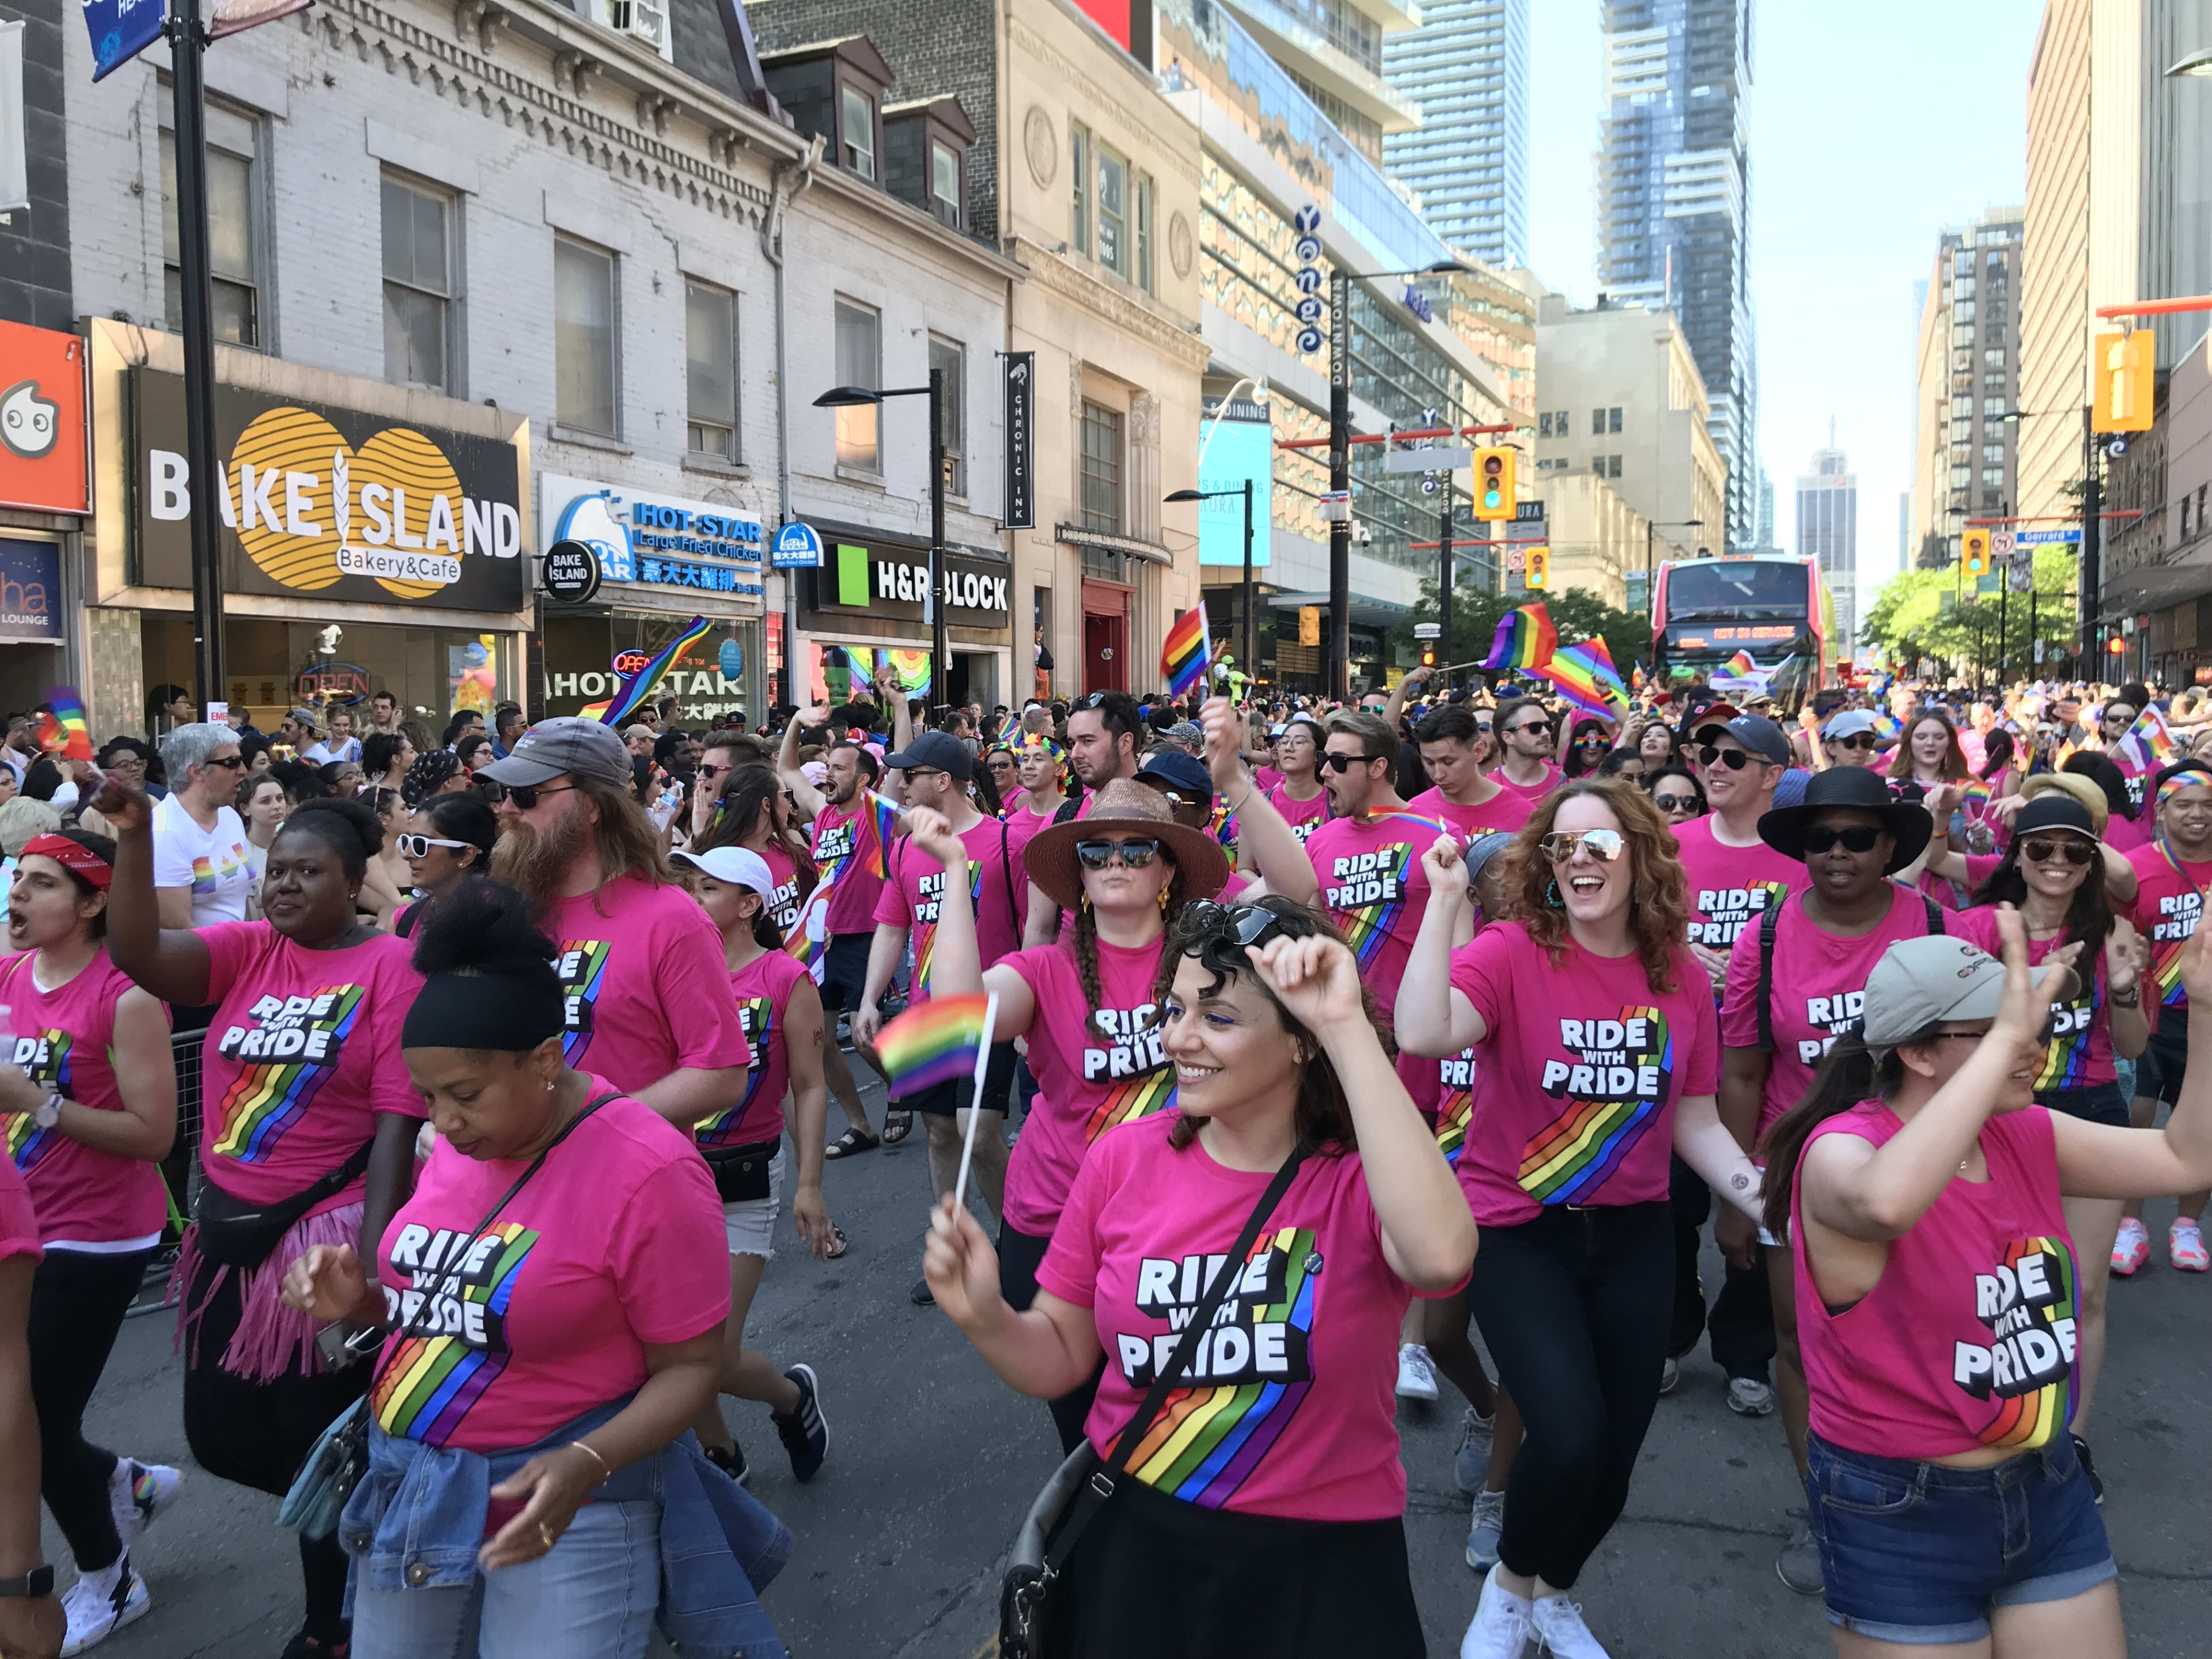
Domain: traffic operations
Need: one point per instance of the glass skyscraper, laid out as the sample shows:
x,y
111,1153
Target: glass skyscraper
x,y
1467,66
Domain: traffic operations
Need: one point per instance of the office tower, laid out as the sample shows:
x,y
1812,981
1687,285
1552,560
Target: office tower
x,y
1467,66
1828,530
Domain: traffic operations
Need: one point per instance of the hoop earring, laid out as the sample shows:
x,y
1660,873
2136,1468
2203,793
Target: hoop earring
x,y
1552,894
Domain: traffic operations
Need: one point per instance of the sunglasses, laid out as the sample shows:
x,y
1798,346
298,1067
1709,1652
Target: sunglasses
x,y
1095,699
1675,802
1593,740
708,771
526,795
1526,726
1345,763
1857,740
1735,759
2042,849
1136,853
1603,845
418,846
230,763
1251,924
1859,838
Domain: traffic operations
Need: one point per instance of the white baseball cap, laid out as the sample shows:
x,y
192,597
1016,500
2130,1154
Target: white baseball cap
x,y
737,866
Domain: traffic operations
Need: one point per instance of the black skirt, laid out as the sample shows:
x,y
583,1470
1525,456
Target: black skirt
x,y
1164,1579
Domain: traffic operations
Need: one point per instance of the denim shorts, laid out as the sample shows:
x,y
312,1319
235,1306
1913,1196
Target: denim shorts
x,y
750,1222
1919,1552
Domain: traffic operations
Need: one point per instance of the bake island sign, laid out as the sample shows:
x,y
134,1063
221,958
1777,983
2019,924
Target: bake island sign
x,y
337,502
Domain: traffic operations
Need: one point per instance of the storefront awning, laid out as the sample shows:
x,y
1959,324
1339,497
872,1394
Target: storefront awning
x,y
1076,536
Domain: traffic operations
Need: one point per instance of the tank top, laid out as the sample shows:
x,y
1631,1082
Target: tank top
x,y
1966,1341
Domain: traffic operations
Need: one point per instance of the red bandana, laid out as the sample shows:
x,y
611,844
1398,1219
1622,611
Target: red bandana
x,y
72,856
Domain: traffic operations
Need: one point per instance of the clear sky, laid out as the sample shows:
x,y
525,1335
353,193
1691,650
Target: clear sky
x,y
1871,127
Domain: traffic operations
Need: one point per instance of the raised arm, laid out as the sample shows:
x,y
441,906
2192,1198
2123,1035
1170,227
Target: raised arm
x,y
1394,708
955,963
172,962
787,759
1265,843
1433,1019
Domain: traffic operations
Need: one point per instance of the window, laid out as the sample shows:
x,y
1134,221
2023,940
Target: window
x,y
1993,453
1612,420
1993,359
1961,476
1544,425
856,120
1145,237
858,363
418,286
1560,425
1102,469
235,299
1597,422
710,350
584,336
1112,212
1963,313
2185,518
1613,466
1992,407
950,359
1992,474
946,194
1078,156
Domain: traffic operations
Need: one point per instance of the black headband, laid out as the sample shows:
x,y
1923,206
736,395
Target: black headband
x,y
503,1012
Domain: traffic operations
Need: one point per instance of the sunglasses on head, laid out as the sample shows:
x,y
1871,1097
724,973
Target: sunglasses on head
x,y
1735,759
1859,838
1248,924
526,795
1603,845
418,846
2043,848
1136,852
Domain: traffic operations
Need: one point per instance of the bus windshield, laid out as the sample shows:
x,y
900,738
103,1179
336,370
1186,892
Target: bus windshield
x,y
1736,587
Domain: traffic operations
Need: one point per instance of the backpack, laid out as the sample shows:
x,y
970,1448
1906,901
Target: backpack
x,y
1769,919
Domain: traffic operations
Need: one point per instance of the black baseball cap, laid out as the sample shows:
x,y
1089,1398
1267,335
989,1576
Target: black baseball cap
x,y
1184,774
940,751
1758,734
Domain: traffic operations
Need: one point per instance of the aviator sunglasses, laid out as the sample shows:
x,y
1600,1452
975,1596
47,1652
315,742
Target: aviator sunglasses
x,y
1603,845
1137,852
2042,849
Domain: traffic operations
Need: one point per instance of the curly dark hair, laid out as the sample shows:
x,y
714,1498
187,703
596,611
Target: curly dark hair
x,y
345,823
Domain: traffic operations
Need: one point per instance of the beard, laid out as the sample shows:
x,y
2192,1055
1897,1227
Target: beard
x,y
535,861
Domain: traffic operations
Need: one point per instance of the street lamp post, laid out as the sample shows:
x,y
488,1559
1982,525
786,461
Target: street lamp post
x,y
846,397
1251,663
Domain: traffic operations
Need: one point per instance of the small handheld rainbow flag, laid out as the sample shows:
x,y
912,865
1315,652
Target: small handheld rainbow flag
x,y
884,814
1183,656
1525,641
809,939
940,1041
1583,675
637,689
1410,820
1742,665
62,729
2148,746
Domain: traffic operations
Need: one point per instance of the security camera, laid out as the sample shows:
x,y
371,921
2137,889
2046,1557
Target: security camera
x,y
1361,535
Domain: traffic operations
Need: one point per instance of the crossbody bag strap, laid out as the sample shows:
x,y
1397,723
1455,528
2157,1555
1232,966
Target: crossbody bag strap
x,y
1099,1487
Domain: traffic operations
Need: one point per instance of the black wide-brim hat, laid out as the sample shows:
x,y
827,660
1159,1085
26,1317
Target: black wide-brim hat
x,y
1858,788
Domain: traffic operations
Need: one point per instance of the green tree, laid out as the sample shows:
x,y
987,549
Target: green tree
x,y
1926,613
1577,613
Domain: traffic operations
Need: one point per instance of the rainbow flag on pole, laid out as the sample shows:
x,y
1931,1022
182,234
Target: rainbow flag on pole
x,y
1583,675
1184,658
1742,665
62,729
635,692
2148,746
884,815
940,1041
1525,641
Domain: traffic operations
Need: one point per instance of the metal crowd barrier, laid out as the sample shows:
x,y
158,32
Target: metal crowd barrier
x,y
180,1170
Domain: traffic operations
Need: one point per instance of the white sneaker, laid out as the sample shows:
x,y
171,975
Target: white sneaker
x,y
1670,1373
1559,1630
1417,1373
1501,1627
1749,1397
100,1603
1471,1457
1486,1526
136,1492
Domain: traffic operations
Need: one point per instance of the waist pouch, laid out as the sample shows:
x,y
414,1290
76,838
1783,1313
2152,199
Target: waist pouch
x,y
232,1233
741,1174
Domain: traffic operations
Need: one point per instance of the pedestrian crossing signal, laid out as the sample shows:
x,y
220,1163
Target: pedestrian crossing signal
x,y
1493,484
1974,553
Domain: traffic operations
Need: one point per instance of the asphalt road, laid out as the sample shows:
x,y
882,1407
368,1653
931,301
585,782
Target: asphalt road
x,y
932,1462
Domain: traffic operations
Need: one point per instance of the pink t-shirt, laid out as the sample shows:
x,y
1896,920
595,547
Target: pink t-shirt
x,y
19,1222
1507,811
1266,779
2125,835
1374,889
1582,1072
1552,778
1966,1341
763,988
1304,817
1444,1090
1729,886
303,1052
911,896
1093,1072
783,903
2169,898
844,847
1819,983
1294,1416
648,994
64,1039
2079,1052
615,1243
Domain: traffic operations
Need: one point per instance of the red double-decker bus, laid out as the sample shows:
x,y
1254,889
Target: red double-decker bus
x,y
1772,608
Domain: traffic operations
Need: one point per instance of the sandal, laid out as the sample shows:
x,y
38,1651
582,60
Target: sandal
x,y
851,1142
839,1244
898,1124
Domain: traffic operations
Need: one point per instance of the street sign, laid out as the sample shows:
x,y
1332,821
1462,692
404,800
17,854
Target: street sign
x,y
1428,630
571,572
1335,506
1020,494
2001,542
2031,538
798,546
1442,459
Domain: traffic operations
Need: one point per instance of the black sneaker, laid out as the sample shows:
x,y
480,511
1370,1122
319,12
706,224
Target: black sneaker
x,y
731,1462
804,1432
2088,1467
304,1646
920,1295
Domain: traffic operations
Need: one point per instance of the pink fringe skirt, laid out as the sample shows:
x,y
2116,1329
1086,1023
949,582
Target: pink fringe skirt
x,y
271,1339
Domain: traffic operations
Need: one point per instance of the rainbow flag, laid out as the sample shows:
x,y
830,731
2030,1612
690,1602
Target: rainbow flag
x,y
637,689
810,934
1741,665
884,814
1184,658
1583,675
1525,641
913,670
940,1041
62,729
1411,821
2148,746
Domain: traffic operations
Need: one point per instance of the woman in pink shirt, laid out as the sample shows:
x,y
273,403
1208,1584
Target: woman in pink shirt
x,y
1260,1511
88,1108
1088,1005
751,814
1923,1191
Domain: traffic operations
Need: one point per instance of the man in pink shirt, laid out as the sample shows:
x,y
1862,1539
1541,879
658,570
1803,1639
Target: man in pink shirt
x,y
1451,749
1524,732
1733,874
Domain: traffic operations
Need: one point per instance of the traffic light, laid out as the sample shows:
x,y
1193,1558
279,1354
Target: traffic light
x,y
1428,656
1308,624
2126,374
1974,552
1538,567
1493,484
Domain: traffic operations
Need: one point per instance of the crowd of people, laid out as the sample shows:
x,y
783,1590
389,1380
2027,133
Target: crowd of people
x,y
1324,1039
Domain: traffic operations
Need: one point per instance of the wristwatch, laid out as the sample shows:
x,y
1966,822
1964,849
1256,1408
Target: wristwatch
x,y
2131,998
39,1582
49,1113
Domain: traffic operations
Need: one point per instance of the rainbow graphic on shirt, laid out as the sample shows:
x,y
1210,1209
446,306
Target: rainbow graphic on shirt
x,y
1609,1103
2073,1030
1254,1366
1130,1099
290,1048
44,1057
2027,1367
582,965
208,875
1366,893
758,1015
427,1384
924,931
1454,1104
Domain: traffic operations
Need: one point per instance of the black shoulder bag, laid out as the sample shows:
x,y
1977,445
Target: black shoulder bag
x,y
1081,1486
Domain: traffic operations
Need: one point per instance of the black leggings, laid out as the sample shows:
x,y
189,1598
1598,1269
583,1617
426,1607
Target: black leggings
x,y
78,1299
257,1434
1575,1306
1019,1256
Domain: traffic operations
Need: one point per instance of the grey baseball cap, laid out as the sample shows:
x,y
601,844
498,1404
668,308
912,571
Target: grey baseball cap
x,y
1847,723
567,743
1920,982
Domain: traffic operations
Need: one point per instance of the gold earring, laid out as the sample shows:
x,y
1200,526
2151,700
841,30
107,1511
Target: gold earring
x,y
1163,900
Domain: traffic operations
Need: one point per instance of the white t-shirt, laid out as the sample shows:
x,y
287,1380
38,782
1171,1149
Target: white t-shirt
x,y
215,866
325,751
